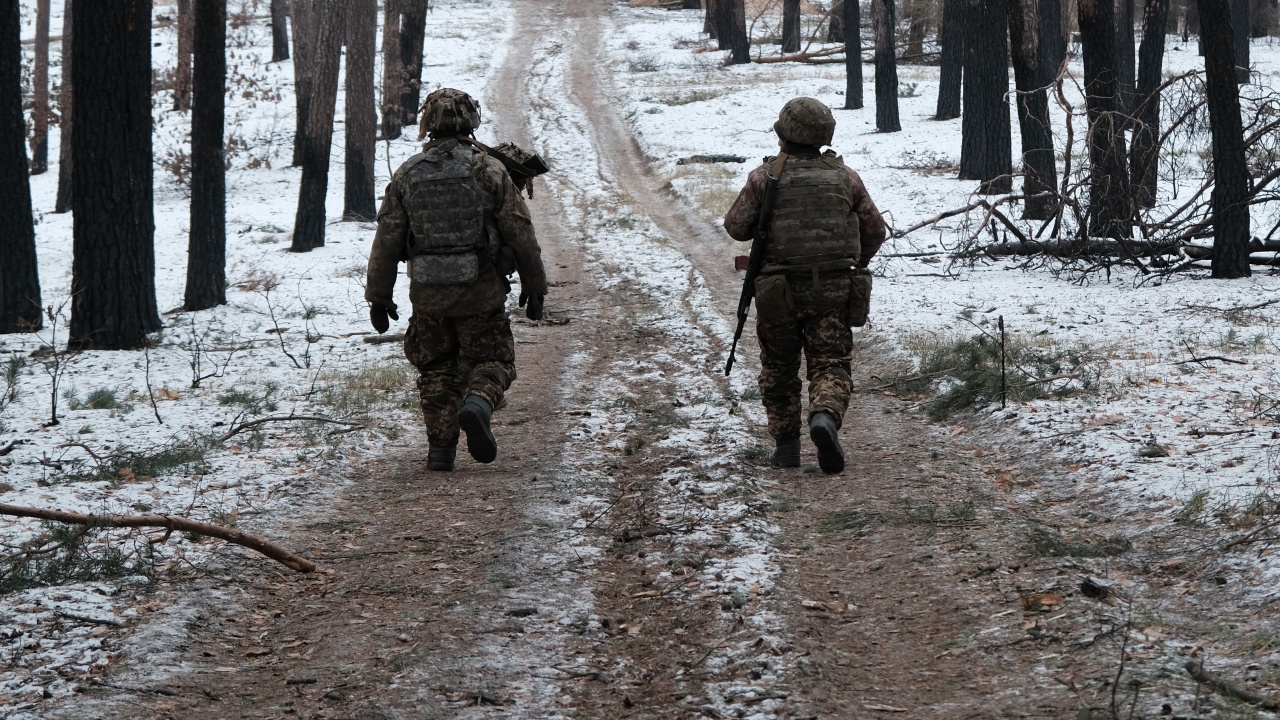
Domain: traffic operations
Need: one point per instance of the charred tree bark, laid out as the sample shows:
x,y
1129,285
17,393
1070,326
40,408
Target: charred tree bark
x,y
113,304
182,71
317,135
739,43
1125,54
851,20
885,22
304,31
1053,41
40,99
1143,154
65,97
361,113
1240,33
19,281
722,22
951,36
279,30
413,34
835,23
790,26
1109,206
1230,174
986,144
207,244
1039,169
392,113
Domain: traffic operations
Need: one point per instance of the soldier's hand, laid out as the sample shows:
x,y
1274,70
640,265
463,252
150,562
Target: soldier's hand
x,y
534,311
378,316
524,297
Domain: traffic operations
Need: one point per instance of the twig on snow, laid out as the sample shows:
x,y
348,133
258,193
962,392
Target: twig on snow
x,y
238,428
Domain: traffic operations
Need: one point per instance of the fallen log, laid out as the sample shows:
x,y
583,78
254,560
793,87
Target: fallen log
x,y
706,159
1222,686
1092,247
169,523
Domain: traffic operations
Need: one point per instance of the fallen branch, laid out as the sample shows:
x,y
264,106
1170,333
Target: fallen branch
x,y
90,620
249,424
1251,535
8,447
708,159
170,523
1222,686
382,339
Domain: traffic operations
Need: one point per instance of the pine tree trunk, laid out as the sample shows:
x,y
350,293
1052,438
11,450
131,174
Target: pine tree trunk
x,y
19,281
885,23
207,244
317,136
65,96
1240,33
361,113
951,35
279,30
851,19
113,304
392,113
790,26
986,144
182,71
1109,201
722,21
1125,54
1143,155
1230,174
304,32
708,18
413,35
739,43
917,28
1052,41
835,23
40,81
1039,169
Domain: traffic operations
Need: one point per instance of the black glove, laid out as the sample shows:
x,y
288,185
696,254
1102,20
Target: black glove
x,y
534,302
378,316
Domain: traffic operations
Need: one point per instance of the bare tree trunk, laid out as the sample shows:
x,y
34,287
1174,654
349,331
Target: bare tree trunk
x,y
1240,33
951,36
40,81
722,22
279,30
851,20
835,23
317,135
1230,173
884,20
361,113
1143,156
739,43
304,34
65,97
113,304
1125,54
790,26
917,27
182,71
207,244
19,280
392,113
1040,173
1109,200
986,144
413,34
1052,39
708,18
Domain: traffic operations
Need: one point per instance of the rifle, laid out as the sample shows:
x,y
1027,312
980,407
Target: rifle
x,y
756,259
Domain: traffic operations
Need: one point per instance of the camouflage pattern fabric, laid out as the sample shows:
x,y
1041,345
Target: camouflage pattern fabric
x,y
818,327
457,357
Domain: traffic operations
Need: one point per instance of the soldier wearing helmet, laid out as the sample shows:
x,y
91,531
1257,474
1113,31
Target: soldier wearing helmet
x,y
814,285
454,215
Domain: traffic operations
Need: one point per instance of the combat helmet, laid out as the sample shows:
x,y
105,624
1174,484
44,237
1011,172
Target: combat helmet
x,y
806,121
449,112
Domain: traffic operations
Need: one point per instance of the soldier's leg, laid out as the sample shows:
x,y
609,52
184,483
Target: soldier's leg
x,y
431,344
780,336
486,345
829,350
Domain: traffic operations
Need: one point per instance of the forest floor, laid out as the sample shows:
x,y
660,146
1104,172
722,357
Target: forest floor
x,y
631,554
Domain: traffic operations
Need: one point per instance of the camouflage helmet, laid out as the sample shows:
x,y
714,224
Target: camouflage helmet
x,y
448,111
806,121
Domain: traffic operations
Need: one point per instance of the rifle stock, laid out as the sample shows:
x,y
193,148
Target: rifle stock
x,y
756,259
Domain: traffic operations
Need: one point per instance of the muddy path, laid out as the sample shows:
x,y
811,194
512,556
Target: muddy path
x,y
629,554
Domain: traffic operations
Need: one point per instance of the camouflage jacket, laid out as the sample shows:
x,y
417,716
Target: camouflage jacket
x,y
519,253
741,219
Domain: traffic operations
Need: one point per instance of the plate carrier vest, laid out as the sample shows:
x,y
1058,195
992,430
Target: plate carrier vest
x,y
450,216
811,228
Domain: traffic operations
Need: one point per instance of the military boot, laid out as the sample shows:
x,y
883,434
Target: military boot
x,y
474,419
787,453
440,457
826,436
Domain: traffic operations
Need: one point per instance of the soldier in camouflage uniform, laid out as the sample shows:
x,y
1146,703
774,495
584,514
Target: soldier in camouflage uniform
x,y
454,215
813,285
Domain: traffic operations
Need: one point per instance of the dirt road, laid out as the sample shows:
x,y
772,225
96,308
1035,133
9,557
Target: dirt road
x,y
629,554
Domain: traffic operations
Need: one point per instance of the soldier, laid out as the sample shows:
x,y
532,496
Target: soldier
x,y
454,215
813,285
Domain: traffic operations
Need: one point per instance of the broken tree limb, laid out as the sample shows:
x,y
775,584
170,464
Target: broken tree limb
x,y
704,159
383,339
1222,686
249,424
1076,248
169,522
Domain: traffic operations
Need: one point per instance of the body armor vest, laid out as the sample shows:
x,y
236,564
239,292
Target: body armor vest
x,y
811,224
449,216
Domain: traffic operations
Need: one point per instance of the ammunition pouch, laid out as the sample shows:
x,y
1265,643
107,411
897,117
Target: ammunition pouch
x,y
859,297
773,297
445,269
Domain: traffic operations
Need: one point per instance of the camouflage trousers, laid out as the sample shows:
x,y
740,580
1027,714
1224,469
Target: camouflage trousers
x,y
459,356
796,316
